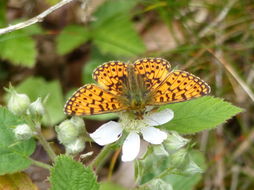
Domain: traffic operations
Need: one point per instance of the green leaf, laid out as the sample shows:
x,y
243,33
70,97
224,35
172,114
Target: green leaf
x,y
112,8
187,182
117,36
70,38
68,174
18,48
13,154
38,87
200,114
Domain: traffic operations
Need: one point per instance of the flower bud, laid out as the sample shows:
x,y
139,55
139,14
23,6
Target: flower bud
x,y
18,103
159,150
193,168
158,184
67,132
76,146
180,158
174,142
36,108
79,123
23,132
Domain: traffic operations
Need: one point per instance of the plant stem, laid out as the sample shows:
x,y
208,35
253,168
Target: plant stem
x,y
102,155
40,164
46,146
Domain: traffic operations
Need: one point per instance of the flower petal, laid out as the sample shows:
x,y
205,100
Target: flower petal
x,y
153,135
131,147
159,118
107,133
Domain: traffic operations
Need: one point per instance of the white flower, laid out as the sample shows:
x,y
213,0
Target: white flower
x,y
112,131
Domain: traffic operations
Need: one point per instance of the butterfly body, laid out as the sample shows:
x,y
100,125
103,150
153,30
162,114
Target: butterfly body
x,y
133,87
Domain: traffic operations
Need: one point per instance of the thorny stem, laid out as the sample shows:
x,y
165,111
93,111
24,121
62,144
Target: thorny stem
x,y
46,146
36,127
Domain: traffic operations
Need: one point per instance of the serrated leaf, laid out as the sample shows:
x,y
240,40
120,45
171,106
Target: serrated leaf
x,y
20,181
68,174
37,87
117,36
71,37
18,48
13,154
200,114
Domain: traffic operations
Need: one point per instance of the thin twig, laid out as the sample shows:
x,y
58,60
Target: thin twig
x,y
38,18
218,19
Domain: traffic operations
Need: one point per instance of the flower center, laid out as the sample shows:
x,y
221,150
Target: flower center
x,y
129,123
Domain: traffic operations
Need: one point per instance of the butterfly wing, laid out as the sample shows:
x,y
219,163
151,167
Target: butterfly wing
x,y
111,75
153,71
91,100
177,87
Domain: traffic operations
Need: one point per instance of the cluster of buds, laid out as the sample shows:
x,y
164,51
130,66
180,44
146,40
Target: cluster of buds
x,y
20,104
174,148
71,134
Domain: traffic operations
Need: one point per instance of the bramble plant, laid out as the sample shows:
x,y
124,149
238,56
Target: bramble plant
x,y
211,39
170,156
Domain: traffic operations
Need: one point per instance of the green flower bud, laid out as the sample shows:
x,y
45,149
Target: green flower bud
x,y
67,132
79,123
18,103
174,142
36,108
193,168
23,132
180,158
76,146
159,150
159,184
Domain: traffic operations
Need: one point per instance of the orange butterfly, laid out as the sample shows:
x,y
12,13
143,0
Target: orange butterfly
x,y
132,87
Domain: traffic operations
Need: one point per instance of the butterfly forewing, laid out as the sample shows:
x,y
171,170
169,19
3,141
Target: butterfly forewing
x,y
177,87
153,70
91,100
111,75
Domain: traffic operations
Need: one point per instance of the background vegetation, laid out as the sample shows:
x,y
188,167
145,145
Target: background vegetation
x,y
212,39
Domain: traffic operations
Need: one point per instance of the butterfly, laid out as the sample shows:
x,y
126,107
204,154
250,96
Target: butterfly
x,y
134,86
